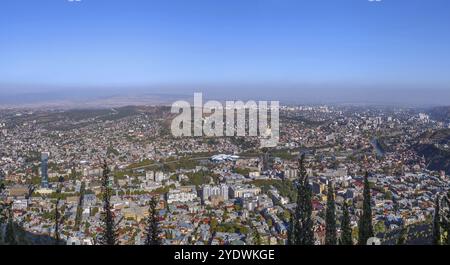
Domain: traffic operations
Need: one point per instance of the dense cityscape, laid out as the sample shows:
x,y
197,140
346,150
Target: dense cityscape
x,y
227,190
225,131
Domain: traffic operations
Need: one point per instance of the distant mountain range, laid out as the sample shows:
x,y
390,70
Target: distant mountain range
x,y
85,99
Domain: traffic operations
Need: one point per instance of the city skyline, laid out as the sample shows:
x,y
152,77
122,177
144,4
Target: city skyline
x,y
391,164
218,131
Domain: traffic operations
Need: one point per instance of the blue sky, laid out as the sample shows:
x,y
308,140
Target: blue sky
x,y
393,44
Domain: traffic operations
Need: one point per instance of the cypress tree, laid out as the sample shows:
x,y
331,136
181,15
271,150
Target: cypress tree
x,y
152,233
402,237
58,219
3,212
303,223
57,236
395,204
365,222
446,219
109,233
256,236
10,234
330,218
436,223
346,230
2,205
79,213
291,231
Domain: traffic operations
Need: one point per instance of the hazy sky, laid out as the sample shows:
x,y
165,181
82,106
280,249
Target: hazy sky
x,y
309,46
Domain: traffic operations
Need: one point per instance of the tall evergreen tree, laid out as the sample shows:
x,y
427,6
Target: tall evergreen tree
x,y
330,218
303,223
437,223
395,204
257,240
79,213
3,212
365,222
291,231
10,233
57,216
346,230
152,233
445,216
402,237
109,233
2,205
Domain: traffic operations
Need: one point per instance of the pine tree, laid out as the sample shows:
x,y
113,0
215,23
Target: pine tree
x,y
330,219
303,223
2,205
152,233
109,233
57,235
79,213
436,223
402,237
4,214
10,234
58,219
256,236
291,231
365,222
346,230
445,216
395,204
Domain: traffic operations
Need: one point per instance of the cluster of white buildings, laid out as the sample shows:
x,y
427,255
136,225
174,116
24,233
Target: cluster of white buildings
x,y
209,191
182,194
